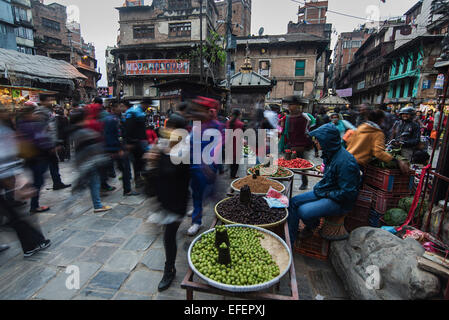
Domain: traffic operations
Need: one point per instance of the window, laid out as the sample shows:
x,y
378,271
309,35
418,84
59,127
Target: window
x,y
300,68
52,40
299,89
25,33
25,50
51,24
404,67
415,60
144,32
264,68
356,44
410,88
20,14
180,29
138,88
179,4
2,29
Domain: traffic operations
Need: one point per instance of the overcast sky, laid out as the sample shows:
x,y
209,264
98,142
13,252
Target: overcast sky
x,y
99,18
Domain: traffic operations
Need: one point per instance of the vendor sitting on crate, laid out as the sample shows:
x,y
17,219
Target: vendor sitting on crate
x,y
335,194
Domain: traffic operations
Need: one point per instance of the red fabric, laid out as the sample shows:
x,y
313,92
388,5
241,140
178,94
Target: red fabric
x,y
237,125
207,102
415,202
151,136
92,118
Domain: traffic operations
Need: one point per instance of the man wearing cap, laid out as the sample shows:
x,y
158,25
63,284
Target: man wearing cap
x,y
296,129
202,175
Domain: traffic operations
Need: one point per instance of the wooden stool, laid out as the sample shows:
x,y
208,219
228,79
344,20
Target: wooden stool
x,y
334,228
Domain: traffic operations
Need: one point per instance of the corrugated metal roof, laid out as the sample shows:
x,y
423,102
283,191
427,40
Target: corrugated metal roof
x,y
250,79
37,67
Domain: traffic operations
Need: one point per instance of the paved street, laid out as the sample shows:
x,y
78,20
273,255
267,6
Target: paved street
x,y
119,254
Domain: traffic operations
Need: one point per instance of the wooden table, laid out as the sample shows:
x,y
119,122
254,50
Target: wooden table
x,y
191,285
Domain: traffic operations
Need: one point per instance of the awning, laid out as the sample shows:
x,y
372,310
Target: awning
x,y
39,68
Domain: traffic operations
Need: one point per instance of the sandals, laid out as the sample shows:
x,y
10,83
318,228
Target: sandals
x,y
40,210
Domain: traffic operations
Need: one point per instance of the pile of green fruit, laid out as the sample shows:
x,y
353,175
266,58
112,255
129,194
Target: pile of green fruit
x,y
251,264
395,217
406,203
280,173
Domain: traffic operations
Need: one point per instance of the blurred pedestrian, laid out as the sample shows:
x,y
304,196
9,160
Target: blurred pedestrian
x,y
89,158
31,238
172,194
234,124
407,133
296,130
45,114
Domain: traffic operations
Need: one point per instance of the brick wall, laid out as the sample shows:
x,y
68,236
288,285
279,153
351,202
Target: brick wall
x,y
241,15
53,12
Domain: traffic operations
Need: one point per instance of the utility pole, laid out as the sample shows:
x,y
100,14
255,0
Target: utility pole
x,y
201,42
228,56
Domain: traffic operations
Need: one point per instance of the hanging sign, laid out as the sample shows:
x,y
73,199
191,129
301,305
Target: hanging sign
x,y
439,84
144,67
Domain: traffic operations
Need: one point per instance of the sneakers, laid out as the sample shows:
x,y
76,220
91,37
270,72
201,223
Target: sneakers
x,y
193,230
103,209
108,188
3,247
131,193
42,246
303,187
61,186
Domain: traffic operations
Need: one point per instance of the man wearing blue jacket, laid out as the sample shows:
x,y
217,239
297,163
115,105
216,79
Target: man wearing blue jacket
x,y
335,194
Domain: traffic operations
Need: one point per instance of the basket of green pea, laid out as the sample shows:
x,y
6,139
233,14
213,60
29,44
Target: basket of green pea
x,y
256,258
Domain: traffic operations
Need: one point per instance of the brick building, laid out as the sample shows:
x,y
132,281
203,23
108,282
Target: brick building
x,y
241,17
155,47
313,12
290,60
60,39
347,45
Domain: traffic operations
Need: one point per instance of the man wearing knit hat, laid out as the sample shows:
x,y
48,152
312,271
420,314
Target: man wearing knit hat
x,y
202,175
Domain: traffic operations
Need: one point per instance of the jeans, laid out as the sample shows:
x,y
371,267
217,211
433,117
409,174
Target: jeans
x,y
38,169
94,185
201,187
309,208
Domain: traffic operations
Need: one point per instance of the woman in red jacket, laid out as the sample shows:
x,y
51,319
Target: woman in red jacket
x,y
234,124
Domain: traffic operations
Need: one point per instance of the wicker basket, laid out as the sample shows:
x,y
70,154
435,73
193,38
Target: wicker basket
x,y
258,194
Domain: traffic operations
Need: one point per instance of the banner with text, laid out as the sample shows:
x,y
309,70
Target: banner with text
x,y
144,67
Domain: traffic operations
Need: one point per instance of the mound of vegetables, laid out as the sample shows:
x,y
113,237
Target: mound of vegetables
x,y
280,173
393,164
406,203
395,217
250,263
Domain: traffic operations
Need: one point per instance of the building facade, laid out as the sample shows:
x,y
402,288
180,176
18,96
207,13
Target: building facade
x,y
313,12
57,38
7,26
347,45
241,17
23,18
157,44
289,60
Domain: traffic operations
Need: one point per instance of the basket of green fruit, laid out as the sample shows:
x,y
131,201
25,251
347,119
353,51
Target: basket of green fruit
x,y
239,258
281,174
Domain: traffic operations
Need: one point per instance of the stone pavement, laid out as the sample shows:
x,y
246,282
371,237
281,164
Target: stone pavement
x,y
120,256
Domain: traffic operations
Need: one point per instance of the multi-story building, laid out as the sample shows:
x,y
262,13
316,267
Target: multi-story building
x,y
60,39
7,26
368,73
157,44
241,17
313,12
347,45
23,17
110,66
289,60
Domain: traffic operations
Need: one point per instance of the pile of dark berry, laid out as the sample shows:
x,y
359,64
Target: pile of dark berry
x,y
256,213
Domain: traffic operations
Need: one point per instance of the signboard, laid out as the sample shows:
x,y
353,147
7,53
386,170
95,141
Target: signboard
x,y
439,84
144,67
426,84
103,91
344,92
361,85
